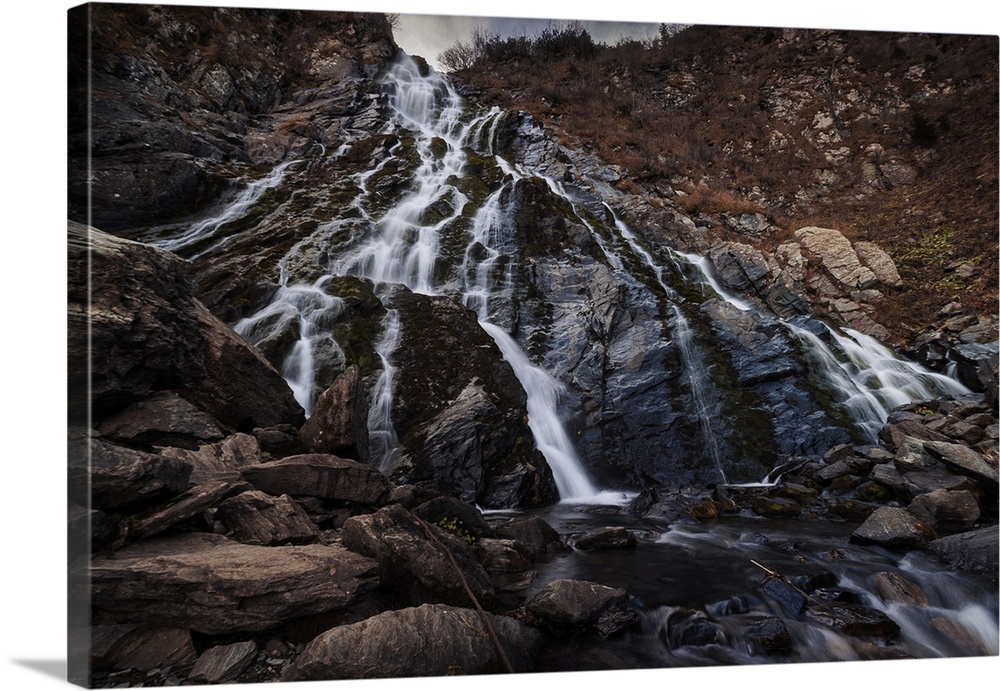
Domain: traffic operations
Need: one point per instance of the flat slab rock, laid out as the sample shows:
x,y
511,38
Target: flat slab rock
x,y
430,640
894,528
569,601
211,584
320,475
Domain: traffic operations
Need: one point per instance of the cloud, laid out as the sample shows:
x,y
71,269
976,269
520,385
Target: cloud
x,y
429,35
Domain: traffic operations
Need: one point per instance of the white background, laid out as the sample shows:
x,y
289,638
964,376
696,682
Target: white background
x,y
32,611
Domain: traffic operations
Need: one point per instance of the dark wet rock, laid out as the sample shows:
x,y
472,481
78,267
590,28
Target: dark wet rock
x,y
811,582
851,509
874,492
252,588
795,492
91,530
223,663
945,511
909,485
895,433
430,640
975,551
575,602
895,588
192,502
791,599
967,462
462,420
533,533
140,646
339,421
853,620
768,636
320,475
414,557
727,608
279,441
617,620
163,419
446,508
148,333
831,472
692,627
220,460
126,479
142,334
498,555
256,518
977,365
612,537
894,528
775,507
836,595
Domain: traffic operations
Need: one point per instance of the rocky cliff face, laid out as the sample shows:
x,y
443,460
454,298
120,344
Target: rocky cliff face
x,y
888,138
181,100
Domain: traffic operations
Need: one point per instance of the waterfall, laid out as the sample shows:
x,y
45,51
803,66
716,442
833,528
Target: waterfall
x,y
209,227
700,385
866,378
403,247
542,390
383,444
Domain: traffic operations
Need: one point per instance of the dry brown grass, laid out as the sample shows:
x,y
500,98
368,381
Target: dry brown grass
x,y
679,111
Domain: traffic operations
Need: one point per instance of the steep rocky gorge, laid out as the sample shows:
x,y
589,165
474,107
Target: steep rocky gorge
x,y
344,307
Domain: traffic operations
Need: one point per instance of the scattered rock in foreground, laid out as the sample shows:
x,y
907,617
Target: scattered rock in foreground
x,y
430,640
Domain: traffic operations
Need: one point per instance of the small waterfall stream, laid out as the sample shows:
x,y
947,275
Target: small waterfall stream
x,y
208,228
403,247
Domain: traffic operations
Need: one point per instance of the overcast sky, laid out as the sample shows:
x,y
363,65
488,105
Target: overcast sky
x,y
428,35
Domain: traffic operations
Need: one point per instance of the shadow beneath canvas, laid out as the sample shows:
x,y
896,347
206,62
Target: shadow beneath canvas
x,y
50,668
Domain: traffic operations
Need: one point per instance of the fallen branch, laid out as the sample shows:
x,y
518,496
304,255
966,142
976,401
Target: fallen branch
x,y
487,622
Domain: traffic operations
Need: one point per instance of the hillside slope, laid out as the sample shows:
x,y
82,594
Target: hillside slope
x,y
886,137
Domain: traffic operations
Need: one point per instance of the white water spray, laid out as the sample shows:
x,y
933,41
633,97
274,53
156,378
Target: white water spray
x,y
209,227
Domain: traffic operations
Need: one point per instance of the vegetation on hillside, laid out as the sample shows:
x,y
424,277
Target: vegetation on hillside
x,y
887,137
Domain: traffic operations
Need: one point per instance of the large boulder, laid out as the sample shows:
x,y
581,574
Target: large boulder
x,y
430,640
222,459
260,519
133,318
975,551
462,419
214,585
339,420
835,254
575,602
124,479
894,528
417,560
320,475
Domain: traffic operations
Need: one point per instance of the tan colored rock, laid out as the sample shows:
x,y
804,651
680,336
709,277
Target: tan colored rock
x,y
835,254
881,264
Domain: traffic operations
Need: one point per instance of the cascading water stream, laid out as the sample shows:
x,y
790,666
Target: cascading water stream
x,y
542,390
867,378
209,227
403,248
